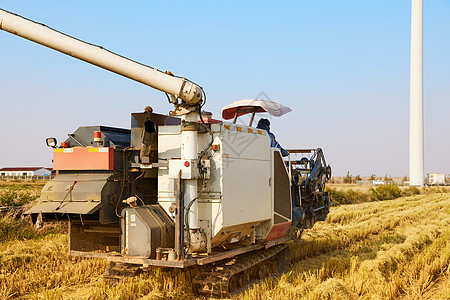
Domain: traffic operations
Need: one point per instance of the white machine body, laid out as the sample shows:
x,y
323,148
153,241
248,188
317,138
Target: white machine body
x,y
237,202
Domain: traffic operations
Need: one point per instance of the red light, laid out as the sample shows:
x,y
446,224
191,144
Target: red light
x,y
186,164
97,136
64,144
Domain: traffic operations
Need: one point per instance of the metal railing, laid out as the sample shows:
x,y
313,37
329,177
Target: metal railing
x,y
26,178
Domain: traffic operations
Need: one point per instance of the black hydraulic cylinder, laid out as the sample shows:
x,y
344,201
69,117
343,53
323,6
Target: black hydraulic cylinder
x,y
179,221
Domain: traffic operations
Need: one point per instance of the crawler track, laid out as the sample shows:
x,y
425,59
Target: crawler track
x,y
225,277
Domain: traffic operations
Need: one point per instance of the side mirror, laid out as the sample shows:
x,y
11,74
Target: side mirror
x,y
51,142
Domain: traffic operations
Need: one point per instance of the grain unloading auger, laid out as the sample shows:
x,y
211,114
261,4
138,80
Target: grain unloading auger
x,y
181,190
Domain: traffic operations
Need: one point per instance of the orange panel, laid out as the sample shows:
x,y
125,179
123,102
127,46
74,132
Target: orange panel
x,y
278,231
83,159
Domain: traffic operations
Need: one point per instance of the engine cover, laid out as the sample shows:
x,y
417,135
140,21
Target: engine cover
x,y
145,229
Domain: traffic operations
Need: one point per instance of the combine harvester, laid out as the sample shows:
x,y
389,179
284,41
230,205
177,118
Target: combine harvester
x,y
178,190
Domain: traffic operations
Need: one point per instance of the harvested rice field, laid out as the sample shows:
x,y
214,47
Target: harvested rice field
x,y
394,249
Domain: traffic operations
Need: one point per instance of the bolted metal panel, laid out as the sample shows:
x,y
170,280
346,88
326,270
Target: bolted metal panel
x,y
80,194
77,207
144,229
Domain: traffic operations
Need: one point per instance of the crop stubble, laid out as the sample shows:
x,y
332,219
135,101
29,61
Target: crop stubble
x,y
377,250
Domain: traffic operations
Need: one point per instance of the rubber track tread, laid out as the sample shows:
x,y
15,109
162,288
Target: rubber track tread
x,y
215,279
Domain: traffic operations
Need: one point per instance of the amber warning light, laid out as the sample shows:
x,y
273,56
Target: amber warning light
x,y
98,136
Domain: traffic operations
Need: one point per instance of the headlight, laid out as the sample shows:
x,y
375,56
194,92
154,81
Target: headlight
x,y
51,142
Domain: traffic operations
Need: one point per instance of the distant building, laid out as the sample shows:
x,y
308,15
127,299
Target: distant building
x,y
436,179
378,182
25,171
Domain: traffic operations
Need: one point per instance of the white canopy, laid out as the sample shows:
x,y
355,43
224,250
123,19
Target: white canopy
x,y
253,105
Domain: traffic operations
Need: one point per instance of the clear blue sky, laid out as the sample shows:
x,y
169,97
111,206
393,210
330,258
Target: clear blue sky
x,y
342,66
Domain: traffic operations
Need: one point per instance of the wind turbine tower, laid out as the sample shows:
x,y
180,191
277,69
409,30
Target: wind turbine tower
x,y
416,174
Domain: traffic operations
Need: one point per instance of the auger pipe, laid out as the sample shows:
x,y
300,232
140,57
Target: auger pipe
x,y
180,88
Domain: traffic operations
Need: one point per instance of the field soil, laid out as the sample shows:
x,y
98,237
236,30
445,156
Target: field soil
x,y
393,249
